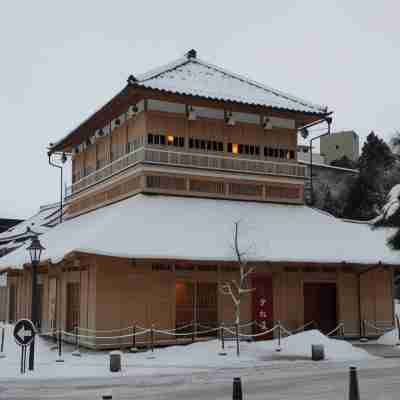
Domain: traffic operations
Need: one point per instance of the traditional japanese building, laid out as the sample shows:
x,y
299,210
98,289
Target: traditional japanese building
x,y
160,174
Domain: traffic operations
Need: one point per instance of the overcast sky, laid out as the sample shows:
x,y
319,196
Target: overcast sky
x,y
62,60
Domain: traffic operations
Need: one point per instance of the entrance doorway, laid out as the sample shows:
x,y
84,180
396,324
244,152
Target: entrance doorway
x,y
196,301
320,305
73,305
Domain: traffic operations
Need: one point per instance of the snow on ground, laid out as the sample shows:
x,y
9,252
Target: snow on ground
x,y
175,359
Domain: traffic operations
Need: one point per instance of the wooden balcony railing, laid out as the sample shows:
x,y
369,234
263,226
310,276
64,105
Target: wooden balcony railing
x,y
154,155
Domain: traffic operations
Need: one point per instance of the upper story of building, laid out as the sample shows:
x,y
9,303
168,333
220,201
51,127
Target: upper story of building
x,y
194,129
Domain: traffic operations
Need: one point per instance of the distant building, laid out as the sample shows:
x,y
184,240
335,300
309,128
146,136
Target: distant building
x,y
303,155
340,144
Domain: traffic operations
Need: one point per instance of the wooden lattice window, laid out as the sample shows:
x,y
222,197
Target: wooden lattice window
x,y
202,186
245,189
165,182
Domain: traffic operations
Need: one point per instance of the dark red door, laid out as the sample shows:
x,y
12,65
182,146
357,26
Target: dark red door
x,y
263,305
320,305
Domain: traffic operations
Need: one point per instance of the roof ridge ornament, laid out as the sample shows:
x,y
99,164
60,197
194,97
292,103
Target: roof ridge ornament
x,y
192,53
131,79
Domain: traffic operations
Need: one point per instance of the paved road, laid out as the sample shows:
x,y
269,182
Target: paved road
x,y
379,380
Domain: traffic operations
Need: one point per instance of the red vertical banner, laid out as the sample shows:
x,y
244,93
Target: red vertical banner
x,y
263,305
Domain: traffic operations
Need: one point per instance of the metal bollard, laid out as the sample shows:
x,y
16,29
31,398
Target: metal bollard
x,y
364,331
317,352
279,337
115,361
150,357
237,393
59,359
354,392
398,330
152,338
2,355
222,337
133,349
76,352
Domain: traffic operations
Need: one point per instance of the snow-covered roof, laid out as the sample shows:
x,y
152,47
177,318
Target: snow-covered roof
x,y
38,223
193,76
15,237
201,229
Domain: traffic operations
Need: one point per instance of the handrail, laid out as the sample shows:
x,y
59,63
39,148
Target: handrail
x,y
154,155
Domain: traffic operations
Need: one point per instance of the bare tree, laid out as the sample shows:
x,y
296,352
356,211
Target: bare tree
x,y
238,288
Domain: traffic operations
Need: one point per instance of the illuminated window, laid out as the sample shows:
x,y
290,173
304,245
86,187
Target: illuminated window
x,y
235,148
170,140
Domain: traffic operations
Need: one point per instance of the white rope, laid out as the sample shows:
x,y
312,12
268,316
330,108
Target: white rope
x,y
285,330
183,327
208,331
204,326
336,329
50,333
254,335
304,326
172,333
376,328
106,337
104,330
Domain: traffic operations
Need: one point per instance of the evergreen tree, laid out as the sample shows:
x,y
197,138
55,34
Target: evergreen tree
x,y
344,162
329,204
376,155
367,193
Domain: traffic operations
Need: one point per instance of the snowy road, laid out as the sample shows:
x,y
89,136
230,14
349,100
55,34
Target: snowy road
x,y
379,380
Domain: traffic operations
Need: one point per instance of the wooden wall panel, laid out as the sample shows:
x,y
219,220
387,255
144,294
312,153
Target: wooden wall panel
x,y
90,159
3,303
348,302
137,126
84,299
377,298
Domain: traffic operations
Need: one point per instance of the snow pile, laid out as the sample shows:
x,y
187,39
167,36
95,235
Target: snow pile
x,y
299,345
175,359
391,338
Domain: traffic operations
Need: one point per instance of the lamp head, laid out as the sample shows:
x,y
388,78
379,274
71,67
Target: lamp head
x,y
304,133
35,250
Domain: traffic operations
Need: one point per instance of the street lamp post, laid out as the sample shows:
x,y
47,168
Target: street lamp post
x,y
329,122
35,251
